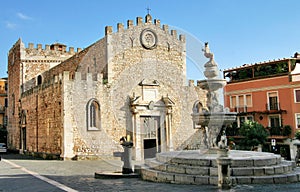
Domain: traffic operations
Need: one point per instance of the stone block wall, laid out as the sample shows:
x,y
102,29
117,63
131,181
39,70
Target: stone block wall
x,y
36,60
14,80
24,66
103,142
43,106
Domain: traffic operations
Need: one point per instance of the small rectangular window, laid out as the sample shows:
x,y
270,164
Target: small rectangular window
x,y
249,100
274,121
273,101
250,118
297,95
241,101
232,101
298,120
242,119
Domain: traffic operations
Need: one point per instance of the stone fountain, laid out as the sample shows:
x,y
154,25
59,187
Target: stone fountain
x,y
215,118
213,121
214,163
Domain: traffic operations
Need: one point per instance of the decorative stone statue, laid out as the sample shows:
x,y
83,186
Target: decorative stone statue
x,y
209,55
222,144
211,67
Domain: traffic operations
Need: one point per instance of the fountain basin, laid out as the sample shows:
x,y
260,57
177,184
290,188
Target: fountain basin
x,y
214,119
200,167
212,84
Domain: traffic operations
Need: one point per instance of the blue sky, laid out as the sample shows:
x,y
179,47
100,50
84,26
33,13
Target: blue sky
x,y
238,31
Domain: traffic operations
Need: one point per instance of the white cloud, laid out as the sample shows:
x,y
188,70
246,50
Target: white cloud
x,y
13,25
10,25
23,16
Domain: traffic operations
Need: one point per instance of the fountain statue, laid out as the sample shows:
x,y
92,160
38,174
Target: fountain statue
x,y
213,120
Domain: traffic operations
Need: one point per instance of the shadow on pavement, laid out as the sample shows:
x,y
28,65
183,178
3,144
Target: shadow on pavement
x,y
15,156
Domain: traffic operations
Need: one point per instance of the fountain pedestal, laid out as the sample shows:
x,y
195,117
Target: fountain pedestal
x,y
224,162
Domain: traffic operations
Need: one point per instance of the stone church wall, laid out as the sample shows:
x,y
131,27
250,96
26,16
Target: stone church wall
x,y
25,64
111,71
130,63
103,142
14,79
43,108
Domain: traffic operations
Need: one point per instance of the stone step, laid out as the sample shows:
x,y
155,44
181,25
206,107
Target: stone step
x,y
252,161
167,177
283,167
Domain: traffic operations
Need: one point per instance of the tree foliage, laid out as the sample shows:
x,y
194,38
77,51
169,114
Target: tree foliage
x,y
287,130
297,135
254,133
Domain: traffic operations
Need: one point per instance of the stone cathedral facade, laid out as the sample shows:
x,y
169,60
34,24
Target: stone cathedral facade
x,y
78,104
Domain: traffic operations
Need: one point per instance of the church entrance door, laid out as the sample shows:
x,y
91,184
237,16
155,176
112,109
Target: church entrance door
x,y
151,135
23,138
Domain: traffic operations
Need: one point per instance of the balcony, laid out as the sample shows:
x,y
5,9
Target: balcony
x,y
240,109
273,106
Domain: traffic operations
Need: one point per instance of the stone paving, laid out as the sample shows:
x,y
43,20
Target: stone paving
x,y
79,175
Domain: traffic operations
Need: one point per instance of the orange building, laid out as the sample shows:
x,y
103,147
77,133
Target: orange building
x,y
269,93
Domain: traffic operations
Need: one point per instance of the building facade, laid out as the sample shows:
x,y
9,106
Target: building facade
x,y
269,93
130,83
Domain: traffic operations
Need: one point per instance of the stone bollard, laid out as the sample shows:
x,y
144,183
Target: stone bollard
x,y
127,156
224,162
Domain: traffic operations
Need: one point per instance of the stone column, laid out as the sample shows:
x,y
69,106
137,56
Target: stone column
x,y
127,157
224,162
138,139
169,119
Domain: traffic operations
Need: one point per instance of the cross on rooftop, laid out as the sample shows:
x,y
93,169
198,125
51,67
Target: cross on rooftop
x,y
148,10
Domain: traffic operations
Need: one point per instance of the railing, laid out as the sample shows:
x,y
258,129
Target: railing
x,y
240,109
272,106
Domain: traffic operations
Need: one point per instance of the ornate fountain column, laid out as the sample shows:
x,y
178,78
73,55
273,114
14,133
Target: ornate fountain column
x,y
215,119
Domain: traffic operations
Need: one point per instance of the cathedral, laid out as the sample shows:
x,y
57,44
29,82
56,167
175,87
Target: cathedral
x,y
78,104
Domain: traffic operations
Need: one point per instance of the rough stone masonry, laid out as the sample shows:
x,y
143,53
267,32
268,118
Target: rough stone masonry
x,y
131,83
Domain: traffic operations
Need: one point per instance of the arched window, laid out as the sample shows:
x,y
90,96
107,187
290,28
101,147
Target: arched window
x,y
39,80
197,108
93,115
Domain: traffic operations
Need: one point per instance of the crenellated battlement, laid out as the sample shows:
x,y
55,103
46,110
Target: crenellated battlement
x,y
140,22
56,47
84,76
32,87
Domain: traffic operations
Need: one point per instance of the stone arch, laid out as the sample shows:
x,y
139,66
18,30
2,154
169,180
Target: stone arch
x,y
93,114
197,107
